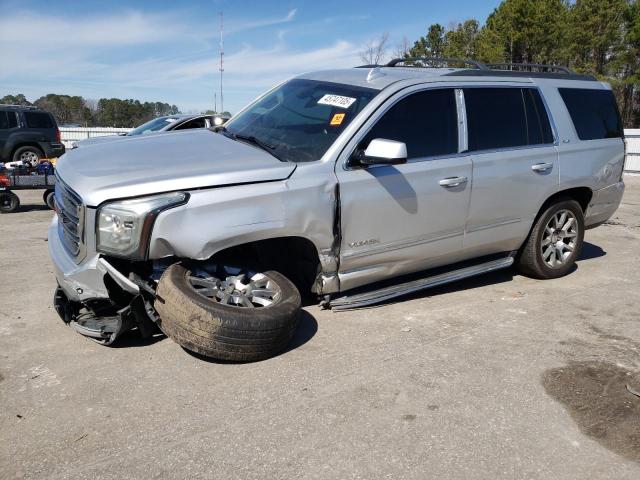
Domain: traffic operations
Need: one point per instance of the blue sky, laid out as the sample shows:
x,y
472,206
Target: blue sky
x,y
168,51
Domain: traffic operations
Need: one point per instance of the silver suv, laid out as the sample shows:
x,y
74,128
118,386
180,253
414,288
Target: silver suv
x,y
351,186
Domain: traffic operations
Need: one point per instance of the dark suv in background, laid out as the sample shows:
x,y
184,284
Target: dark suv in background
x,y
28,134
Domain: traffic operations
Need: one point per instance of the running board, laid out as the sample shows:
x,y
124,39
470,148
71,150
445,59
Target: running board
x,y
378,296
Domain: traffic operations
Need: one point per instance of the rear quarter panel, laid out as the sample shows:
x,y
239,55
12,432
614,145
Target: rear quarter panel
x,y
592,163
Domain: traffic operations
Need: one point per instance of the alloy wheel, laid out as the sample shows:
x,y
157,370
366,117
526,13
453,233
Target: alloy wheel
x,y
237,290
559,239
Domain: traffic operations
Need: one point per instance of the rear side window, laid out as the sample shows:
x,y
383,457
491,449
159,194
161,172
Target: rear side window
x,y
38,120
426,122
594,113
506,117
538,126
4,121
195,123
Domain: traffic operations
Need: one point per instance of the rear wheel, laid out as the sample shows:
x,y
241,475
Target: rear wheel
x,y
9,202
49,197
28,155
239,317
555,241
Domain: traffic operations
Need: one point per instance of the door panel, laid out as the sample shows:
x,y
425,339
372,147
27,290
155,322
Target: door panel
x,y
507,193
399,219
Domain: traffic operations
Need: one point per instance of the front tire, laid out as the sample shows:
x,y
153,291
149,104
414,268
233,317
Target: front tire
x,y
555,241
9,202
239,318
49,197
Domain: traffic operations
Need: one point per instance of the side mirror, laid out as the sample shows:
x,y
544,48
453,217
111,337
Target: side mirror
x,y
383,152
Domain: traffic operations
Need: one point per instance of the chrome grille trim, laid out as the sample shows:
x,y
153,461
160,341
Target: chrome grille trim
x,y
70,220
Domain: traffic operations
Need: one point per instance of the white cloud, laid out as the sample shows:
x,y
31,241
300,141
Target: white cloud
x,y
134,54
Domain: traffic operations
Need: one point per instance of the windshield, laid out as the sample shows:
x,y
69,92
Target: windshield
x,y
301,119
154,125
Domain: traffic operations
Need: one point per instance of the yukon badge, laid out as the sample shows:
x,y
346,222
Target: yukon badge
x,y
362,243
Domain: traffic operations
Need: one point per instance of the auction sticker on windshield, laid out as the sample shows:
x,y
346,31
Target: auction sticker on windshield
x,y
336,101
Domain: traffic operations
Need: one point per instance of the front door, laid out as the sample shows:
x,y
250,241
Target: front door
x,y
405,218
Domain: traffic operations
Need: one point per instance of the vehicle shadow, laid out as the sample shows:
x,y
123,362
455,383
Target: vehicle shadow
x,y
589,251
132,338
492,278
32,208
307,328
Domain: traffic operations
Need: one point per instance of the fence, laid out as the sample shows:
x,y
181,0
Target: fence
x,y
73,134
632,163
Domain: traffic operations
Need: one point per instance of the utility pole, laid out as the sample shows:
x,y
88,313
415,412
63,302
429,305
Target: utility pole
x,y
221,60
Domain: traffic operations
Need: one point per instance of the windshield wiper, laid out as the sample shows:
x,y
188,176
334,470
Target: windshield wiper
x,y
250,139
256,141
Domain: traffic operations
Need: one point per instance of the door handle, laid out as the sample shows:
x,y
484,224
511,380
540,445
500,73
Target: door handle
x,y
451,182
541,167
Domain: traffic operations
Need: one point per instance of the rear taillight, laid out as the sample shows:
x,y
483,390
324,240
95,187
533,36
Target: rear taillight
x,y
4,181
58,137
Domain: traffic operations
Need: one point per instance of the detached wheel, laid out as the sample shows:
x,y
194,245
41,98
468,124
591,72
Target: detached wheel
x,y
9,202
28,155
555,241
49,197
238,317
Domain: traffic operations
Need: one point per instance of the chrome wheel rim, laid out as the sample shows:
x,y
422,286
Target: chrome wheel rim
x,y
29,158
559,239
237,290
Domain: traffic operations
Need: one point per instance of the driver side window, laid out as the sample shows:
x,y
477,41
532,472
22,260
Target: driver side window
x,y
427,122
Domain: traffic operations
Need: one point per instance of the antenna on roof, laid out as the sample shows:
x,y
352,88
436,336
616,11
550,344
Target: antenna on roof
x,y
221,59
374,73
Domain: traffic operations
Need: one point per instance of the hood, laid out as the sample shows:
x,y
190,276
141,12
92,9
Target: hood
x,y
160,163
98,140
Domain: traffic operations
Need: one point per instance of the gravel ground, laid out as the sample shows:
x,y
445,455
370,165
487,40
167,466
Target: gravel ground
x,y
496,377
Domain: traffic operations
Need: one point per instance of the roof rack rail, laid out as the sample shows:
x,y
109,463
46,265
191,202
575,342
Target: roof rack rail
x,y
530,67
19,106
447,60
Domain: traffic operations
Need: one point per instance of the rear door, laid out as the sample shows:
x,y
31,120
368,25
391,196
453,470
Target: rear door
x,y
515,165
404,218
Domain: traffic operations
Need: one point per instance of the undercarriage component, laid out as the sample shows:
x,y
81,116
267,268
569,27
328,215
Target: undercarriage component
x,y
101,321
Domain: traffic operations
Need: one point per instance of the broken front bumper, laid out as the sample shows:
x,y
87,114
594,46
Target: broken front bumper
x,y
84,301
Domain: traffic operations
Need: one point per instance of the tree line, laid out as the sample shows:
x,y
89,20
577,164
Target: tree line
x,y
596,37
106,112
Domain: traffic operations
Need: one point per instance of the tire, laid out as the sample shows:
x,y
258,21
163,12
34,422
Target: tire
x,y
9,202
29,155
226,332
49,197
543,246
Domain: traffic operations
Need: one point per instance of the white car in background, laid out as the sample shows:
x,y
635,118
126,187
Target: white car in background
x,y
168,123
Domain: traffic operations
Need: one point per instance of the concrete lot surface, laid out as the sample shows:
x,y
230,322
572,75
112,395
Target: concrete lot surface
x,y
498,377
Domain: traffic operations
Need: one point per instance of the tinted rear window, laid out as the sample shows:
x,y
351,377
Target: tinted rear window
x,y
594,113
38,120
426,122
4,121
506,117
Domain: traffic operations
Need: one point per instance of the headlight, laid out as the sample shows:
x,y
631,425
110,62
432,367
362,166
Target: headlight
x,y
123,228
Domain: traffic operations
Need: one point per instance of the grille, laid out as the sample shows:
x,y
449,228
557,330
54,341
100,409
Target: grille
x,y
70,219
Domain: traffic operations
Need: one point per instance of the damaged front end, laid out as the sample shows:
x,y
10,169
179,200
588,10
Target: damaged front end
x,y
104,320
